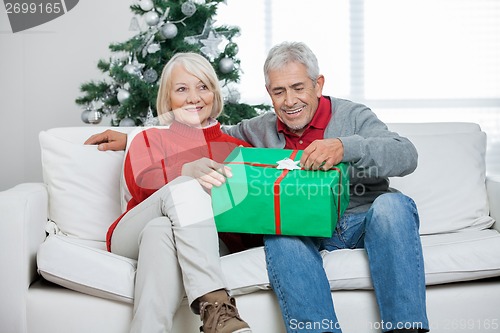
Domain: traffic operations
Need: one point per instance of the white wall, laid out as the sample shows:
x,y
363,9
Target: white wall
x,y
41,70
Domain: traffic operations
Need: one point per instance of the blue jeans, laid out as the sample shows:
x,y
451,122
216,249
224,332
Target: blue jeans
x,y
389,233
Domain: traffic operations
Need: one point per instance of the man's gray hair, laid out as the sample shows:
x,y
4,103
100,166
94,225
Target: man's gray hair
x,y
287,52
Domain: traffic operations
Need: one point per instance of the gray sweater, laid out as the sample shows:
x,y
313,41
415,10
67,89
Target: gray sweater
x,y
373,152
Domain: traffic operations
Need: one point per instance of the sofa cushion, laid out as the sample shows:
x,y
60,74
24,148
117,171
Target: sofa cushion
x,y
448,185
82,184
86,267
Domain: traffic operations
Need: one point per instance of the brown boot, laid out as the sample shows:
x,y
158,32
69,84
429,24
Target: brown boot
x,y
219,314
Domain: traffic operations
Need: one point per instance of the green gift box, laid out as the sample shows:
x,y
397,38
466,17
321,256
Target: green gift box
x,y
261,199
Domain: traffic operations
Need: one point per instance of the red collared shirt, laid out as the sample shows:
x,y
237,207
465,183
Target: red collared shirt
x,y
315,130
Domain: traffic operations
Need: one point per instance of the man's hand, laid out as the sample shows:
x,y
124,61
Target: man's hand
x,y
108,140
322,154
207,172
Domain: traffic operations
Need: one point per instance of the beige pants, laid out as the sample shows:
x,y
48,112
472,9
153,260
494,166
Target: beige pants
x,y
172,234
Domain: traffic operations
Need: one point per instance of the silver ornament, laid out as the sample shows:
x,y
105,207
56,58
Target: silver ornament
x,y
211,45
131,69
85,116
150,75
127,122
122,95
94,117
150,120
226,65
146,5
169,30
188,8
233,97
152,18
153,48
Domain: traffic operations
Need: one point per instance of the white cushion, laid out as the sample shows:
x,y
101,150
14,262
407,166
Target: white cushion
x,y
88,268
448,185
82,182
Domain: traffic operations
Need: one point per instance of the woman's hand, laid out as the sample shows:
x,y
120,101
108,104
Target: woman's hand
x,y
108,140
208,172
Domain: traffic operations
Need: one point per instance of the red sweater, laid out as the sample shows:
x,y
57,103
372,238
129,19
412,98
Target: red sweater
x,y
156,156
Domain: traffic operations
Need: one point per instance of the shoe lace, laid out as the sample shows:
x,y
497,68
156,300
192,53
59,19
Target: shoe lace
x,y
216,315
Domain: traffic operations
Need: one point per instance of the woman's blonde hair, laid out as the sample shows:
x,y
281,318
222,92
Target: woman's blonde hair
x,y
196,65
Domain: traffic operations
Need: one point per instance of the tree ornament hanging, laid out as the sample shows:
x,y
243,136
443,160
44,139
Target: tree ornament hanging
x,y
234,96
85,114
127,122
146,5
211,45
151,120
94,117
134,24
151,18
231,49
133,67
150,75
153,48
169,30
123,95
226,65
188,8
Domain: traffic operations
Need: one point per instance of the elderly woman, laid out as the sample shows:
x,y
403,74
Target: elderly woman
x,y
169,226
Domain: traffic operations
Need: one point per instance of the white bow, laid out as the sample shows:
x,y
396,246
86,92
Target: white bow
x,y
288,164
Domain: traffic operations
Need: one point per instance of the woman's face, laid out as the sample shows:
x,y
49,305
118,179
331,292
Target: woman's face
x,y
190,99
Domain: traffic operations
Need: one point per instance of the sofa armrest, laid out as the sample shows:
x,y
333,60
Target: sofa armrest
x,y
493,188
23,218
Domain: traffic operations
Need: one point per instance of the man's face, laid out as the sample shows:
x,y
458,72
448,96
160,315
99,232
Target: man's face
x,y
294,95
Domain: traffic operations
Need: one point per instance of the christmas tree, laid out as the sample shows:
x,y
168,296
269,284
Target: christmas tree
x,y
165,27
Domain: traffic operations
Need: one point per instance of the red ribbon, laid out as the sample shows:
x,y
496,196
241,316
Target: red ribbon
x,y
276,190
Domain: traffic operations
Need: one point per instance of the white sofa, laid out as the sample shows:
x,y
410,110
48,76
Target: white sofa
x,y
91,290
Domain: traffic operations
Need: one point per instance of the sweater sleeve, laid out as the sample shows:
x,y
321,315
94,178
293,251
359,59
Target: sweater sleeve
x,y
145,168
370,147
